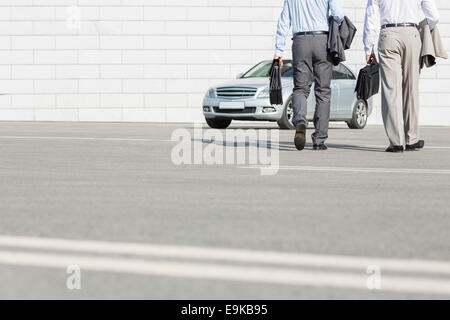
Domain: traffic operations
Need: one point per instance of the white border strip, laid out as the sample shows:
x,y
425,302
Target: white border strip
x,y
228,273
359,170
222,254
282,145
82,139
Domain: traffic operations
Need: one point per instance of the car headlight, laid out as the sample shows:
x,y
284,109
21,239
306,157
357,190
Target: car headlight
x,y
264,94
211,93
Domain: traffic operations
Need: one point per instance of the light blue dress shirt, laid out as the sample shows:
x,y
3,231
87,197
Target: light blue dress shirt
x,y
305,15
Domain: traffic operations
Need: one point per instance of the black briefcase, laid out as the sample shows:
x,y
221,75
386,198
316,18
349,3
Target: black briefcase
x,y
276,94
368,83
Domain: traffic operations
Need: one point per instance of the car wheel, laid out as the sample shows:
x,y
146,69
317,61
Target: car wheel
x,y
218,123
360,115
288,114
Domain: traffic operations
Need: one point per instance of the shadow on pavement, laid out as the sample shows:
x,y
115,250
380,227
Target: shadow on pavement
x,y
288,146
352,147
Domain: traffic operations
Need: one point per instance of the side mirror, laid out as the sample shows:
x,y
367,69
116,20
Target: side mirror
x,y
239,75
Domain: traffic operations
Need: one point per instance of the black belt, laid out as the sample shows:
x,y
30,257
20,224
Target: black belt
x,y
396,25
310,33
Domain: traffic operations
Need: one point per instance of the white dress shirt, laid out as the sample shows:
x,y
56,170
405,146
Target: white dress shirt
x,y
306,15
381,12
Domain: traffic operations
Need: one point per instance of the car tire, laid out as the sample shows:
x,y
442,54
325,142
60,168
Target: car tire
x,y
285,123
360,115
218,123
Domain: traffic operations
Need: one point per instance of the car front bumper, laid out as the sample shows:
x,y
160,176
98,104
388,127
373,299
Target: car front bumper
x,y
255,109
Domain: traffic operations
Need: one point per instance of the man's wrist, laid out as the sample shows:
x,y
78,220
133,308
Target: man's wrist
x,y
369,52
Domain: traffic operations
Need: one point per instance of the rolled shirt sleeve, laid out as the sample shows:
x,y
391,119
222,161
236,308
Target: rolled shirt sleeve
x,y
336,11
371,26
284,26
431,12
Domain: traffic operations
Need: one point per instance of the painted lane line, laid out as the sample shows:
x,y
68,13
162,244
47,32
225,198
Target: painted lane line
x,y
82,139
384,147
223,254
359,170
227,273
274,144
349,147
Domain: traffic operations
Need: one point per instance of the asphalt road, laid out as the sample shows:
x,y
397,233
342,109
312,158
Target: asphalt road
x,y
161,231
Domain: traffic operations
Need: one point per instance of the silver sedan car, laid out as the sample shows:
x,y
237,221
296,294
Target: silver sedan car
x,y
247,98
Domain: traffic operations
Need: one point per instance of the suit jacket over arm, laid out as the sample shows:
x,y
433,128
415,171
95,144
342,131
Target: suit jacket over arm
x,y
340,39
432,46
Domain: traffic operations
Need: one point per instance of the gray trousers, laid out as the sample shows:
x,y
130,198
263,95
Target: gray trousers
x,y
399,51
312,63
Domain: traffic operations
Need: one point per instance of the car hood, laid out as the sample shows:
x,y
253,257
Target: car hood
x,y
252,82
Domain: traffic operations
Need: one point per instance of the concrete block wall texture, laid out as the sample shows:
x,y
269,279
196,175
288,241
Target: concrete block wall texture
x,y
152,60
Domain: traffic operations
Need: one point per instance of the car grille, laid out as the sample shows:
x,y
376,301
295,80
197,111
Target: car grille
x,y
235,92
236,111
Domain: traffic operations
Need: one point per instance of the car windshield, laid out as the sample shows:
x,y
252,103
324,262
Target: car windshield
x,y
262,70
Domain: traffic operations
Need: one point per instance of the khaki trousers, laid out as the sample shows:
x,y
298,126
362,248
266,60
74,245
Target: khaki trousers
x,y
399,53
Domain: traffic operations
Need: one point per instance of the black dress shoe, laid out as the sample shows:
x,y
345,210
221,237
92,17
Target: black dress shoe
x,y
321,146
414,147
300,137
395,149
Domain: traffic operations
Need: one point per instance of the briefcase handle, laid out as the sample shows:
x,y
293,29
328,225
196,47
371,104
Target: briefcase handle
x,y
372,61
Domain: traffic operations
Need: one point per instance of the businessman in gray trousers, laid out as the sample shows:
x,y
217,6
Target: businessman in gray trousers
x,y
399,51
309,20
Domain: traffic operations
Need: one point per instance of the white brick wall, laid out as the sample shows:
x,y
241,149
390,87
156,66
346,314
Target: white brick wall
x,y
151,60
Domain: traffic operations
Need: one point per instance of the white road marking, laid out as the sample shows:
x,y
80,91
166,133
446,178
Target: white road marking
x,y
436,147
223,254
348,169
274,144
346,147
351,147
223,272
385,146
82,139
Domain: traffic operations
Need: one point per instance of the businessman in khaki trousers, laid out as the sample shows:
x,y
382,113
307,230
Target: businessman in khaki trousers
x,y
399,49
